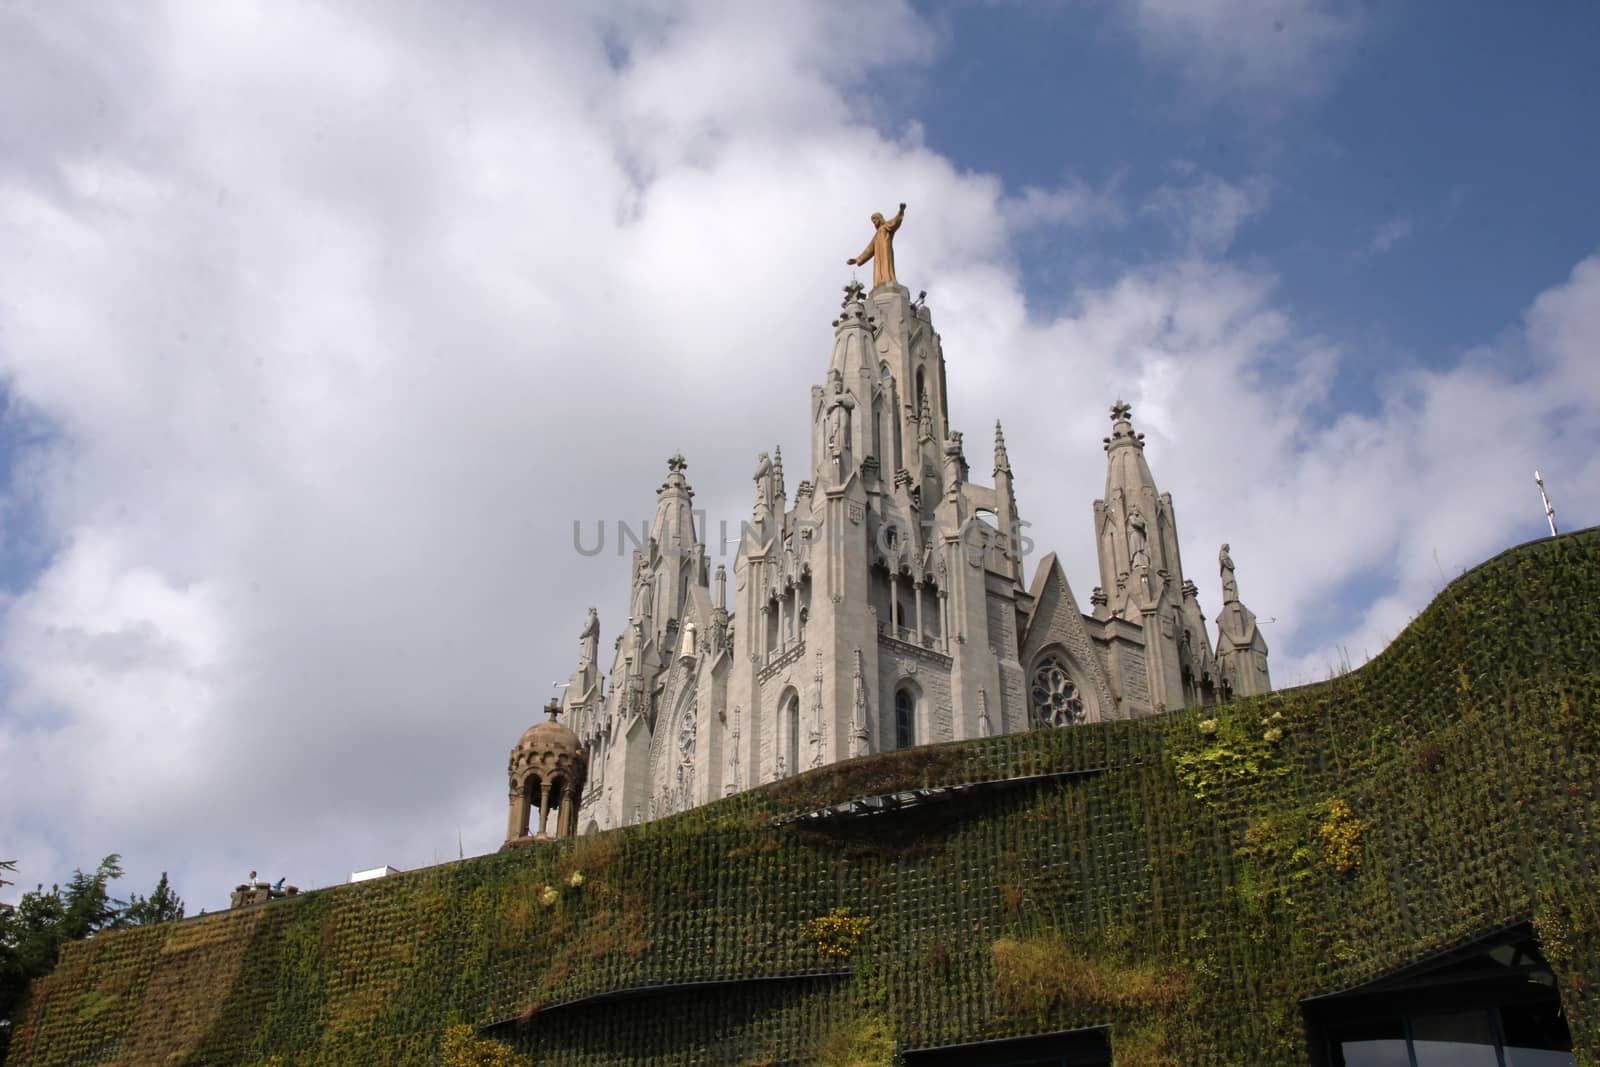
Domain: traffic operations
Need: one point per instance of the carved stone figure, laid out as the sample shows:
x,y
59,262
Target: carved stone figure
x,y
763,478
952,462
837,423
1230,586
686,737
1138,555
860,738
589,641
881,248
641,599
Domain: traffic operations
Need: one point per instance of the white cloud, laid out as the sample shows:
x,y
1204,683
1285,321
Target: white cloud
x,y
342,315
1271,50
1205,211
1073,204
1389,234
1316,503
341,318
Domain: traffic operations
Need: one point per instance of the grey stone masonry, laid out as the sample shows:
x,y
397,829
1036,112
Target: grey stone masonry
x,y
886,603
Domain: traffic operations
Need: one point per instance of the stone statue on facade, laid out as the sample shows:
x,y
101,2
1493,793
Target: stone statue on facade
x,y
837,422
860,737
952,463
1230,585
1138,555
642,599
589,641
763,507
881,248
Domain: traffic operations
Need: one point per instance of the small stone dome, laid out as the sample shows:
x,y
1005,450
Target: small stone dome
x,y
548,746
546,771
549,736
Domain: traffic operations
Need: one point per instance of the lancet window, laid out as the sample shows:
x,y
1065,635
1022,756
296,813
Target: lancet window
x,y
905,718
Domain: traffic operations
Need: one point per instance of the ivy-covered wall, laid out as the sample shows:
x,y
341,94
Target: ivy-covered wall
x,y
1186,880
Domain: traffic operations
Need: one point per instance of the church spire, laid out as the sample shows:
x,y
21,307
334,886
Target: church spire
x,y
674,559
1006,501
1141,572
852,336
1133,522
673,527
1241,650
1123,434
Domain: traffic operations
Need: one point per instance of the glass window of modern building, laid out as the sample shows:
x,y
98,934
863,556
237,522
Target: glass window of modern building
x,y
1492,1003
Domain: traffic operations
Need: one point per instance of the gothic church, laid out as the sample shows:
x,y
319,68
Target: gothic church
x,y
883,604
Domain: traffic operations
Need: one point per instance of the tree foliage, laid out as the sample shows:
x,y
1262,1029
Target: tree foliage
x,y
162,905
32,933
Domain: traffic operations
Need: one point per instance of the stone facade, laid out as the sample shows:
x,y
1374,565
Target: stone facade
x,y
884,603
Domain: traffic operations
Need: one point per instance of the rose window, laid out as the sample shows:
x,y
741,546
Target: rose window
x,y
1055,698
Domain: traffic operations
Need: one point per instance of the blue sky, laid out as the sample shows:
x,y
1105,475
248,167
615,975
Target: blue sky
x,y
1423,181
1460,127
322,323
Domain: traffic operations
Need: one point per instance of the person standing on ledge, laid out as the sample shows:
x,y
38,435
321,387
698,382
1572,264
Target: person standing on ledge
x,y
881,248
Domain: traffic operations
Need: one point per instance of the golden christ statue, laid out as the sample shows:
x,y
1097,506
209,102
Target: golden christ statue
x,y
881,248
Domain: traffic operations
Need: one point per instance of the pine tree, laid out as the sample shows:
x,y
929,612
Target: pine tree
x,y
32,933
30,940
162,905
88,902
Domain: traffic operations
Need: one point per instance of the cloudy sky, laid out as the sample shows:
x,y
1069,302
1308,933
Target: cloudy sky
x,y
321,324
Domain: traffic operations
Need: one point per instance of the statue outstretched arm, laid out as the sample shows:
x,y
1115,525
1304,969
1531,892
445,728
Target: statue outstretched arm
x,y
863,257
900,216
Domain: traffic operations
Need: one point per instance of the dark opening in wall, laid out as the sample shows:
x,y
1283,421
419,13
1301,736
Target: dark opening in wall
x,y
1069,1048
1490,1003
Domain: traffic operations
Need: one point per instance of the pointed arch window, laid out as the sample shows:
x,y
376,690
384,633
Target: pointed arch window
x,y
790,719
905,718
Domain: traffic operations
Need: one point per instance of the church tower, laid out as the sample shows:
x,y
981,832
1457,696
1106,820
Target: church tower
x,y
1241,650
1142,583
886,603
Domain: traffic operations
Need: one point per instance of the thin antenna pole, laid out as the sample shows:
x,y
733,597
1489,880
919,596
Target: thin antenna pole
x,y
1549,510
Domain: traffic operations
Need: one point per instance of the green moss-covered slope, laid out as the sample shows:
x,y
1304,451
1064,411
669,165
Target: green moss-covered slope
x,y
1186,880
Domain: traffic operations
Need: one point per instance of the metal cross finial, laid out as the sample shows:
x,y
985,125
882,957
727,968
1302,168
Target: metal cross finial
x,y
676,462
1120,411
852,292
553,709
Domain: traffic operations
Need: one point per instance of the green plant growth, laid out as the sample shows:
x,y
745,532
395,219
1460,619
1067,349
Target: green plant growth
x,y
837,933
1185,880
